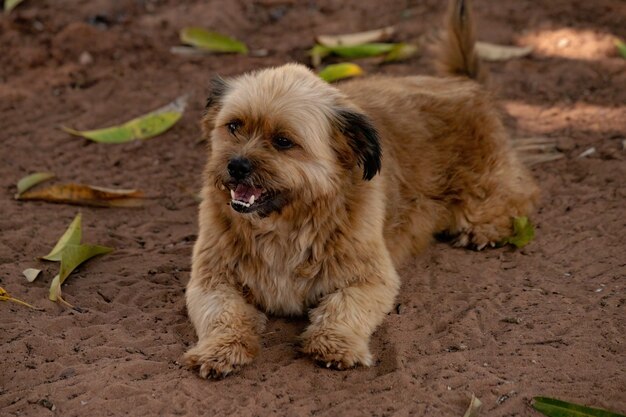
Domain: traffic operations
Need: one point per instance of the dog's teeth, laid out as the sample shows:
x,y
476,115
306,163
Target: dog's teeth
x,y
251,201
241,203
232,194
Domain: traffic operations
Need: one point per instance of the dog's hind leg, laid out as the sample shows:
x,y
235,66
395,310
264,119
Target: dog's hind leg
x,y
484,210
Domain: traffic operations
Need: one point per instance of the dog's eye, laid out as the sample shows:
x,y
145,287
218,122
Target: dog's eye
x,y
234,126
282,143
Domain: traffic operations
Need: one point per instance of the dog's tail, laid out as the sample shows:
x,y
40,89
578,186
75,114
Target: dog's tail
x,y
456,52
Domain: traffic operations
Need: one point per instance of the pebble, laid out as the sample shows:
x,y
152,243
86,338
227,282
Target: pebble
x,y
85,58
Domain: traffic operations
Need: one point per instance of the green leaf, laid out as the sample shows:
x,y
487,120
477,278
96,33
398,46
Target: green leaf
x,y
211,41
319,52
339,71
72,236
621,47
10,5
144,127
71,257
523,232
31,274
31,180
552,407
401,51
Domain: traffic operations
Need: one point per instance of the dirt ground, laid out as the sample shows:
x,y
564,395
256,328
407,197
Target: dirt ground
x,y
506,325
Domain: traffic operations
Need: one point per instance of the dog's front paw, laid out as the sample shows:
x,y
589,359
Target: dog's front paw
x,y
336,351
216,357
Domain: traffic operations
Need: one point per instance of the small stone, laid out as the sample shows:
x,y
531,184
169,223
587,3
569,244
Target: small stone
x,y
512,320
259,53
67,373
563,43
44,402
85,58
400,308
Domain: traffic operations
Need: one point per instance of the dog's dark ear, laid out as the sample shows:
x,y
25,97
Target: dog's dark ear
x,y
362,139
217,87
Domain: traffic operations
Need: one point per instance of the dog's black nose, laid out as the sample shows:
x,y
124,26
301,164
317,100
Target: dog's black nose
x,y
239,168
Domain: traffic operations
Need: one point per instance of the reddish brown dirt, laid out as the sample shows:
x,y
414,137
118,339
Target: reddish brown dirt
x,y
507,325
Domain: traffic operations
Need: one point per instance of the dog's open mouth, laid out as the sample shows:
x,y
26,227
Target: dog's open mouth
x,y
247,198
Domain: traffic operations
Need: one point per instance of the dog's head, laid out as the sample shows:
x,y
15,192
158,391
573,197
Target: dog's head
x,y
282,135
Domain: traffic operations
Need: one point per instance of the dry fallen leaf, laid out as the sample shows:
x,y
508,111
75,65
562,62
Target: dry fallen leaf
x,y
340,71
494,52
351,39
211,41
86,195
31,180
31,274
71,253
144,127
4,296
72,256
72,236
10,5
474,407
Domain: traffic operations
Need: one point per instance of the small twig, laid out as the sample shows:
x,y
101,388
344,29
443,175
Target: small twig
x,y
541,147
587,153
537,159
546,342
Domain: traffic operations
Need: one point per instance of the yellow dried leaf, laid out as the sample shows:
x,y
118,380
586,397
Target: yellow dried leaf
x,y
86,195
340,71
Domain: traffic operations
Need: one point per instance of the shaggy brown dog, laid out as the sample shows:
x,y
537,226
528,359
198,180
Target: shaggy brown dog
x,y
313,194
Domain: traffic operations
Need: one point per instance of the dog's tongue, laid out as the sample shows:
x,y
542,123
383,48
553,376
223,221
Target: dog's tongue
x,y
244,192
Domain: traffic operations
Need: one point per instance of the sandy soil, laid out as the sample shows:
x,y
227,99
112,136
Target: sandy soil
x,y
507,325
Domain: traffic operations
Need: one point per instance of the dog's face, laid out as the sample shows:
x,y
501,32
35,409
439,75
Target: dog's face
x,y
283,135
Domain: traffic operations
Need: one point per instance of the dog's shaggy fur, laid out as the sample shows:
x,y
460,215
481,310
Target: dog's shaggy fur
x,y
313,194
